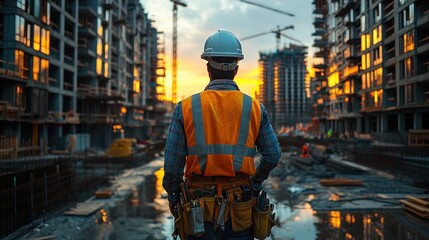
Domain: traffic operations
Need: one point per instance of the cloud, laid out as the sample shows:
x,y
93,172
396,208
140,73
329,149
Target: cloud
x,y
201,18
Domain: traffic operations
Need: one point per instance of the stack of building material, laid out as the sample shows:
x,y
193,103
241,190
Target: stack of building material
x,y
340,182
301,163
418,206
84,208
104,193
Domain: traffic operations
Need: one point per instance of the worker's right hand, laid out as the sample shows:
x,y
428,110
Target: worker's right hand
x,y
173,209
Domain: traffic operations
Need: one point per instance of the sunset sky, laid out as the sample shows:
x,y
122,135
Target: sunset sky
x,y
203,17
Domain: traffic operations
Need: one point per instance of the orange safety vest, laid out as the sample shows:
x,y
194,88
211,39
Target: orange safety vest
x,y
221,142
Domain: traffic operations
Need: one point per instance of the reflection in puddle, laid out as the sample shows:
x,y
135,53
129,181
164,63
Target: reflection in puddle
x,y
297,220
334,197
367,226
142,214
103,217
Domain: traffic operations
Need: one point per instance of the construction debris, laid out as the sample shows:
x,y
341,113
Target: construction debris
x,y
418,206
104,193
44,238
84,209
340,182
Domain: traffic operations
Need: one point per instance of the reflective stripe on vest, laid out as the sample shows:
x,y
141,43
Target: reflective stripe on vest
x,y
238,151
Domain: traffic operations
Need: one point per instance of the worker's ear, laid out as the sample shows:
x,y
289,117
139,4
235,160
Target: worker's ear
x,y
208,71
236,70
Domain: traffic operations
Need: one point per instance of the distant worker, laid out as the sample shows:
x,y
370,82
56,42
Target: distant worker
x,y
213,186
329,133
305,151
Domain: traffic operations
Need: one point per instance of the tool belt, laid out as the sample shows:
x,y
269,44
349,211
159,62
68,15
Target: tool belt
x,y
219,199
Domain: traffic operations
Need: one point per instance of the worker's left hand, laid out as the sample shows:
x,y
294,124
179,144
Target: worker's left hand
x,y
173,209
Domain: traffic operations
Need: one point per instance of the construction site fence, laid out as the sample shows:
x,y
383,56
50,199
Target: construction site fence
x,y
31,191
408,163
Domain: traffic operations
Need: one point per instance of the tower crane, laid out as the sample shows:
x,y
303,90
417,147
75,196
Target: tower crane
x,y
175,4
266,7
278,33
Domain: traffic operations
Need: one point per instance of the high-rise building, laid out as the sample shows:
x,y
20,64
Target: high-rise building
x,y
76,67
319,84
283,91
377,68
38,52
342,67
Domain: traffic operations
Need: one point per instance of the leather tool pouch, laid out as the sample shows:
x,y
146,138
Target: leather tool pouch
x,y
241,215
183,222
262,223
208,204
179,222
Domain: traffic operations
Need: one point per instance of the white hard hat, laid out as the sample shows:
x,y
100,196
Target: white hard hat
x,y
222,43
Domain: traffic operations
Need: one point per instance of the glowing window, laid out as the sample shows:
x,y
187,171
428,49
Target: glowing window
x,y
363,81
36,37
368,40
99,66
362,42
368,60
378,55
99,47
106,69
44,70
347,87
36,68
408,41
45,41
376,35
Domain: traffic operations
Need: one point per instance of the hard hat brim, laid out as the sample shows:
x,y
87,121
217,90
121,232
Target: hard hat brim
x,y
222,54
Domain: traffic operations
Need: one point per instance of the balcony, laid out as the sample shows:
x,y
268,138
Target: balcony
x,y
320,43
423,43
424,20
103,118
87,11
12,148
9,69
319,22
101,93
344,9
86,30
69,117
10,112
320,65
320,11
319,32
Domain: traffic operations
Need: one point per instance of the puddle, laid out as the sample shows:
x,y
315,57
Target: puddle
x,y
300,221
144,214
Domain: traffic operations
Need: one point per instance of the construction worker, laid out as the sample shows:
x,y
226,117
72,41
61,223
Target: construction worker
x,y
305,150
210,175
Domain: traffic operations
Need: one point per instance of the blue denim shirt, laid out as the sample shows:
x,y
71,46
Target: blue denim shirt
x,y
176,150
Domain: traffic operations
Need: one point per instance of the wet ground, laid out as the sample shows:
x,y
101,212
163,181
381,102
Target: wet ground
x,y
304,209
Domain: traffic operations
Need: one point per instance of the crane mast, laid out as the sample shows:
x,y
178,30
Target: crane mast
x,y
174,90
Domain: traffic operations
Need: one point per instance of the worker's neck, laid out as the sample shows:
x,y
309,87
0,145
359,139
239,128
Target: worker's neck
x,y
224,79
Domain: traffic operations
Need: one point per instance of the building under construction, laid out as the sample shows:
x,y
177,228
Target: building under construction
x,y
74,75
372,61
283,88
85,68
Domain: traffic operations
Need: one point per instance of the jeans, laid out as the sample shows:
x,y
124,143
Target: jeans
x,y
226,234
